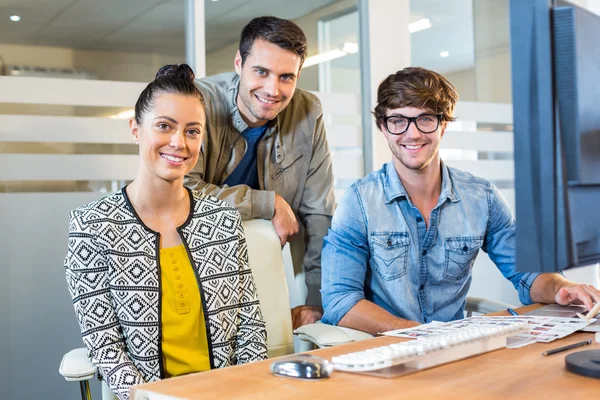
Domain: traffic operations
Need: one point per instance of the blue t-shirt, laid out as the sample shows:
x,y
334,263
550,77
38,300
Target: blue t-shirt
x,y
246,173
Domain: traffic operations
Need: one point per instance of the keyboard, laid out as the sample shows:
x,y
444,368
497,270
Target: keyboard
x,y
430,351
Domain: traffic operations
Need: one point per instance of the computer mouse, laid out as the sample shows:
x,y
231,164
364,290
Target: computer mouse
x,y
302,366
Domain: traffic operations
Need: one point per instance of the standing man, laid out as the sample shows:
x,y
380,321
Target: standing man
x,y
265,149
403,240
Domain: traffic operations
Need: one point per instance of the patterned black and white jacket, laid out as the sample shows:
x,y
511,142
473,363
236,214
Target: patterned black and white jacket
x,y
113,272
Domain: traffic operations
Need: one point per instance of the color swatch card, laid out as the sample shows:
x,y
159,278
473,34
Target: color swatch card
x,y
542,329
570,311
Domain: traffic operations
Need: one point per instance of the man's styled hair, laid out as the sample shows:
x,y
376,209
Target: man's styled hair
x,y
280,32
419,88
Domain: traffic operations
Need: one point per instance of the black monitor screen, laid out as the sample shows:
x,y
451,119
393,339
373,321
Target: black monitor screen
x,y
556,101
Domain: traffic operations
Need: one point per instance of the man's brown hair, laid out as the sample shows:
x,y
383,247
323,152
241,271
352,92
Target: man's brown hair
x,y
280,32
419,88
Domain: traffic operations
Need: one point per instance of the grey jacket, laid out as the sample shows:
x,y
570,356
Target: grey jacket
x,y
113,272
293,161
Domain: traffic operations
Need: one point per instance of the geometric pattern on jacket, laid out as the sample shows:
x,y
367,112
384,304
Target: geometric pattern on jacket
x,y
113,273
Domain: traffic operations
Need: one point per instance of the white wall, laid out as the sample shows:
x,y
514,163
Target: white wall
x,y
38,322
493,77
109,65
38,56
121,66
464,82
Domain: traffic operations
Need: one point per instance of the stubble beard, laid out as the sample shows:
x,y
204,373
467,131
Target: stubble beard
x,y
251,102
397,152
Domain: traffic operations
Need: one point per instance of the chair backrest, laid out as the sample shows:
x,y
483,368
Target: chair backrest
x,y
266,262
293,260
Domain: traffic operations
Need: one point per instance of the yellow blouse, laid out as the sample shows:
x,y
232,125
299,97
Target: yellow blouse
x,y
184,340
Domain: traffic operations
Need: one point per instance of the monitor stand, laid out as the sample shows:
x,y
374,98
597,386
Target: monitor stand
x,y
586,363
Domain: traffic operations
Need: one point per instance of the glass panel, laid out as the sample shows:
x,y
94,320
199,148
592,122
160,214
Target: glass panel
x,y
107,40
61,186
492,51
339,72
338,38
63,110
432,47
66,148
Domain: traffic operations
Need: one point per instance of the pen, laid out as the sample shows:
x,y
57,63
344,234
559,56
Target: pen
x,y
591,313
569,347
513,312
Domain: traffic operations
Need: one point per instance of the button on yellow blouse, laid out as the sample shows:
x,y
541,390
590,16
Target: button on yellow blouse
x,y
184,339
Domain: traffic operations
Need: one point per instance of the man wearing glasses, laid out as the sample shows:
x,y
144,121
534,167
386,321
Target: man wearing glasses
x,y
403,240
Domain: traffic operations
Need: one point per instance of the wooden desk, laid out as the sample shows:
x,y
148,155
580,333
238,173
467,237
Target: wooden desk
x,y
502,374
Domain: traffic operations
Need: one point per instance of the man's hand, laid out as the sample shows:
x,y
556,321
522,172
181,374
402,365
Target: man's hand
x,y
304,315
284,220
573,293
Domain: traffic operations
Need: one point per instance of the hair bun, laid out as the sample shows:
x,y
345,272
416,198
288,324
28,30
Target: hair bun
x,y
183,71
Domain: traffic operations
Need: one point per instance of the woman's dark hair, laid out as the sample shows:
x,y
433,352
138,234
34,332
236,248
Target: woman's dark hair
x,y
280,32
177,79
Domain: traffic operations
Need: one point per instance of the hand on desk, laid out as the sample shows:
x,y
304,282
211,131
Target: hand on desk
x,y
574,293
303,315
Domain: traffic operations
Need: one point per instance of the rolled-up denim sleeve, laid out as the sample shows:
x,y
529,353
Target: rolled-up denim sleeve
x,y
500,245
345,258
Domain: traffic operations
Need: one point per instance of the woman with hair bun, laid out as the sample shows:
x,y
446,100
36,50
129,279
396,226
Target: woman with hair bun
x,y
159,273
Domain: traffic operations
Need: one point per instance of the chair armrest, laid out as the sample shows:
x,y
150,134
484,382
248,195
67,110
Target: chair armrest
x,y
484,306
356,334
76,366
324,335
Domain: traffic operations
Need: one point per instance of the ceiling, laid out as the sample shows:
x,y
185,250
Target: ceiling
x,y
134,25
157,26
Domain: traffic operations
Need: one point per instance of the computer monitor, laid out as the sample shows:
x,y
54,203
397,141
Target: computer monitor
x,y
555,49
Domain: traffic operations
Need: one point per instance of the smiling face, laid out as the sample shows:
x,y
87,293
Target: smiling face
x,y
268,80
413,149
169,136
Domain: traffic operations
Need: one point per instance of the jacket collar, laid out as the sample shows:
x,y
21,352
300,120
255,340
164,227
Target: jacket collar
x,y
393,187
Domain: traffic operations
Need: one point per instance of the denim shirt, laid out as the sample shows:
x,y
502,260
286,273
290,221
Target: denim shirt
x,y
379,249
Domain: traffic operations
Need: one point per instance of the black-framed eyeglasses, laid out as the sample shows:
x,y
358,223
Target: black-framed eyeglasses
x,y
398,124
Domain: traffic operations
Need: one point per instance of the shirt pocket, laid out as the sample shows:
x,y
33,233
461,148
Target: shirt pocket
x,y
390,254
460,256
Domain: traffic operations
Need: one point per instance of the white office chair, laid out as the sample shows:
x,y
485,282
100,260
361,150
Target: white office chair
x,y
266,262
269,270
